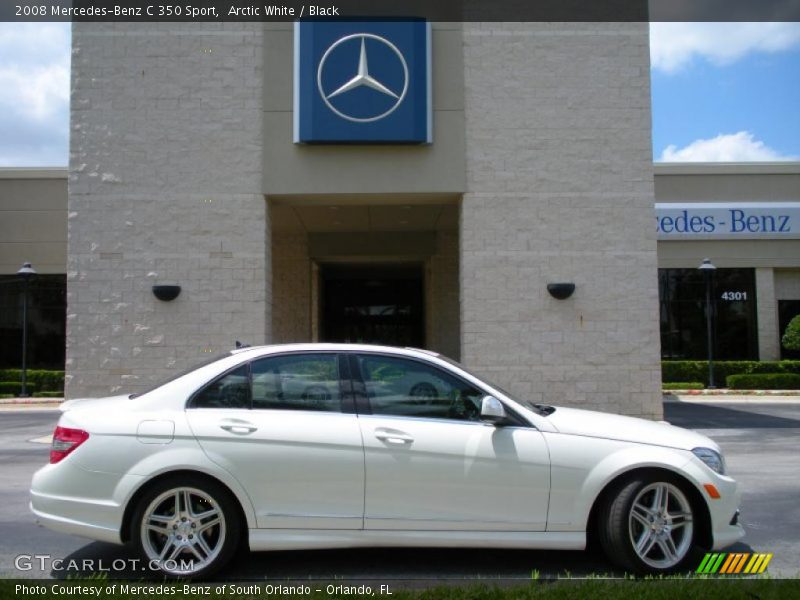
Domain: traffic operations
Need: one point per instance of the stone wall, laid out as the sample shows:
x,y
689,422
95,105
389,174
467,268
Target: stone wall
x,y
165,186
560,188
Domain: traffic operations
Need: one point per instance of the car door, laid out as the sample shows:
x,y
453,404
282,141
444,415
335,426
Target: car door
x,y
284,426
432,464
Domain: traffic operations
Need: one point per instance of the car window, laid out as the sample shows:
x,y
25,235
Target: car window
x,y
297,382
232,390
408,388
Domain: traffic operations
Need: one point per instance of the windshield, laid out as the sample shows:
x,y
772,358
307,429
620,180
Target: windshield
x,y
200,365
541,409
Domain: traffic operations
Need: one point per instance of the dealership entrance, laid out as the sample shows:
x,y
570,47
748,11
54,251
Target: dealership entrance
x,y
371,269
373,304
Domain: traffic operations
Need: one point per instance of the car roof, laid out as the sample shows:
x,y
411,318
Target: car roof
x,y
312,346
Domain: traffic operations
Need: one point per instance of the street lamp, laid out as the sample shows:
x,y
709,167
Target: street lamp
x,y
708,271
26,273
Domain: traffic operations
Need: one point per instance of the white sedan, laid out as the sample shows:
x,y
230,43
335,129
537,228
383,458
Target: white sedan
x,y
318,446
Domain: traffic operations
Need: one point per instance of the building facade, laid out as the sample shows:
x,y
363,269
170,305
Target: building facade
x,y
183,170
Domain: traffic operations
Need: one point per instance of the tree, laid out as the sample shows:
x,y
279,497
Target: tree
x,y
791,337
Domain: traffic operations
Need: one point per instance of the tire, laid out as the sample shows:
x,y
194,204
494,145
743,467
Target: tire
x,y
184,542
646,525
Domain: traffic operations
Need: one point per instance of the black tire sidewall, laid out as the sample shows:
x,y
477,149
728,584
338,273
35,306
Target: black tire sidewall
x,y
227,503
614,526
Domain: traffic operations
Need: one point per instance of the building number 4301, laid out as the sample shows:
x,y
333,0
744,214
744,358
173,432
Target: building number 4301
x,y
734,296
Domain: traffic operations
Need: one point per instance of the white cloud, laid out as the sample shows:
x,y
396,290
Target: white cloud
x,y
732,147
673,46
34,93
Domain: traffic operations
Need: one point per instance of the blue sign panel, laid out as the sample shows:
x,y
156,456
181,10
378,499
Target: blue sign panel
x,y
362,82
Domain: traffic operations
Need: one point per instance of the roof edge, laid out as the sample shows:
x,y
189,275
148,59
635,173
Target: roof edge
x,y
727,168
34,172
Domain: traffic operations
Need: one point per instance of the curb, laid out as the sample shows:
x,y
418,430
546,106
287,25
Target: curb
x,y
29,401
729,392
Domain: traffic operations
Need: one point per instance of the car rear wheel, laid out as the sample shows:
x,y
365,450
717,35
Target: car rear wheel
x,y
647,526
186,527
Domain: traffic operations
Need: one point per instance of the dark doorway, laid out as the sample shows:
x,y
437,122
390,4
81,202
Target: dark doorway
x,y
373,304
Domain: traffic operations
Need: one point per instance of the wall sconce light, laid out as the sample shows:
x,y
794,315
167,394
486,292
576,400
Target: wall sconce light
x,y
166,292
561,291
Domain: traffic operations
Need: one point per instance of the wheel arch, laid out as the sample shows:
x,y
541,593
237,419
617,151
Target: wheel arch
x,y
702,523
133,501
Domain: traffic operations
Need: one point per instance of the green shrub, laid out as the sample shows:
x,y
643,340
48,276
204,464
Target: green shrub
x,y
45,380
14,387
48,394
682,385
765,381
791,337
697,370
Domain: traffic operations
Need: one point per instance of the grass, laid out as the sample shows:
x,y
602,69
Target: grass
x,y
666,588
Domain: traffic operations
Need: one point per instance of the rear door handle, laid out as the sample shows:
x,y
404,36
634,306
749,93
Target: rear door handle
x,y
392,436
239,428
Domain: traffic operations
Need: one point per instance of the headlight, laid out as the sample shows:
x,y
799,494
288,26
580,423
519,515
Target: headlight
x,y
712,458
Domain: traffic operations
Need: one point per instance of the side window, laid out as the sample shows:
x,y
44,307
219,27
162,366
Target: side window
x,y
408,388
232,390
297,382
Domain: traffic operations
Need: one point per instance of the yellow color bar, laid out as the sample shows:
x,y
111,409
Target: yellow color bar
x,y
752,563
764,564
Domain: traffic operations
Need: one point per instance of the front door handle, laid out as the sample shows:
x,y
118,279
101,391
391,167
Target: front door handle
x,y
393,436
238,427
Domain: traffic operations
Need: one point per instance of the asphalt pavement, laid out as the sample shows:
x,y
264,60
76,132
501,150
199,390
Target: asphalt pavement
x,y
759,440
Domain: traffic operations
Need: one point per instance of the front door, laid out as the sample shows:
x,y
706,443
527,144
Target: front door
x,y
431,464
373,304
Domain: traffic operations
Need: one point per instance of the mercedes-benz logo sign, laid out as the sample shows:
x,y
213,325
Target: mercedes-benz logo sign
x,y
362,77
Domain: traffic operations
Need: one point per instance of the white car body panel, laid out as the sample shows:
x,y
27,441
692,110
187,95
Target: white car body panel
x,y
302,468
459,475
456,484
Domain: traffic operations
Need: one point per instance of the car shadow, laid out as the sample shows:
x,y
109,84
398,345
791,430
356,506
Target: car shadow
x,y
396,567
707,416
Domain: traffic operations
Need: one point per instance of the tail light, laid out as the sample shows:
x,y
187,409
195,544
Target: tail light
x,y
65,440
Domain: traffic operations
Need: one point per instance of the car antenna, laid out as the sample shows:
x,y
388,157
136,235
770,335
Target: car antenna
x,y
241,345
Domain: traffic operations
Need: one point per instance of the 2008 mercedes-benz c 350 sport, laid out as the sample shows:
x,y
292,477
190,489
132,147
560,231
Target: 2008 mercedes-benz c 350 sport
x,y
337,445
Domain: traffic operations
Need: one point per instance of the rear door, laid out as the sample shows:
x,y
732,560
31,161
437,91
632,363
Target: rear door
x,y
284,426
431,464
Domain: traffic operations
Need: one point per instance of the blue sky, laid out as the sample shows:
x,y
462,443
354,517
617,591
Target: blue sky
x,y
721,92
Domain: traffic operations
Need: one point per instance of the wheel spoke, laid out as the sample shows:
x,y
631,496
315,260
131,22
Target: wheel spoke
x,y
176,552
667,546
641,514
201,541
167,545
158,529
193,549
208,525
645,543
657,493
206,514
177,499
187,501
160,518
679,520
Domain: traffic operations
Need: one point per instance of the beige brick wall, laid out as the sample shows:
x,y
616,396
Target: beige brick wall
x,y
291,288
560,188
164,186
442,306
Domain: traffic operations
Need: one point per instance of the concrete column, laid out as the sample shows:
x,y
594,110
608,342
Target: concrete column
x,y
767,315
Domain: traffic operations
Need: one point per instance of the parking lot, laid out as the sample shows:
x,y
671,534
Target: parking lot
x,y
759,441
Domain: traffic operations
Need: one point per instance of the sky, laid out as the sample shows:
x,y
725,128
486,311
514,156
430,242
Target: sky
x,y
722,92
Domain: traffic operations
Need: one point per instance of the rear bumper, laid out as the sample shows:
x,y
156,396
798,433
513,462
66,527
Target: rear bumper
x,y
70,499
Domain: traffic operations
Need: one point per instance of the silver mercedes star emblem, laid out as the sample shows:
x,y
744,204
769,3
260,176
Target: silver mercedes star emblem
x,y
363,78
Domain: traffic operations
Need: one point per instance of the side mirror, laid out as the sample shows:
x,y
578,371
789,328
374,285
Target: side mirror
x,y
492,410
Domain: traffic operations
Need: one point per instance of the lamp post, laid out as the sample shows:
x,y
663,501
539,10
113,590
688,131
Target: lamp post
x,y
708,271
26,273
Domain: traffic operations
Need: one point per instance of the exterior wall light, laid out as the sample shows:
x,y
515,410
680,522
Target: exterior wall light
x,y
166,292
561,291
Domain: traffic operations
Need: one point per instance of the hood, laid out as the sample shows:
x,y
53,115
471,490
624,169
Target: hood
x,y
574,421
108,403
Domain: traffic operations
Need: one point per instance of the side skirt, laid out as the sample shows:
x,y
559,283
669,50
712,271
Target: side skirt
x,y
316,539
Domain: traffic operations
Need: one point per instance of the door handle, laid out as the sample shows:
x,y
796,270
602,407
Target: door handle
x,y
239,428
392,436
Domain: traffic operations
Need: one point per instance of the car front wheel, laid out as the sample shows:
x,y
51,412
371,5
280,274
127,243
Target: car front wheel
x,y
186,527
648,526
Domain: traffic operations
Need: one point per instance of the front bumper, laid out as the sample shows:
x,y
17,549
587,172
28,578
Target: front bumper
x,y
725,530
